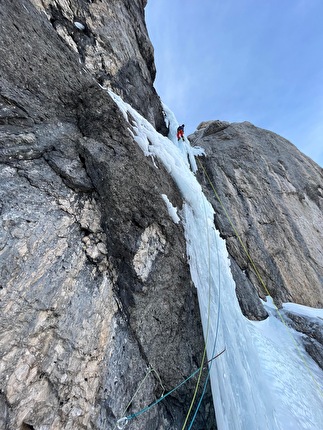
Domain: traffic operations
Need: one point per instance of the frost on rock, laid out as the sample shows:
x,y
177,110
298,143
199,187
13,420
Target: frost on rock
x,y
171,209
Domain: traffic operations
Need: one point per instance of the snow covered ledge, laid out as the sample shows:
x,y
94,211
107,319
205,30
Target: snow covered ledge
x,y
261,381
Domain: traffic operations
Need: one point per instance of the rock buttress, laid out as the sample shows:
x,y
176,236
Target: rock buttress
x,y
84,311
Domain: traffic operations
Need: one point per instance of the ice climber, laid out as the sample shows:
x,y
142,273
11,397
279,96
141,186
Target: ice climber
x,y
180,132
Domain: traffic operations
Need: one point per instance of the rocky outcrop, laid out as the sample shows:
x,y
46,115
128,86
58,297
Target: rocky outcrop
x,y
312,333
271,196
95,287
96,297
111,42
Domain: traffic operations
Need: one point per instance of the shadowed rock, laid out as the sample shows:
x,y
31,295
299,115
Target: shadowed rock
x,y
83,312
271,195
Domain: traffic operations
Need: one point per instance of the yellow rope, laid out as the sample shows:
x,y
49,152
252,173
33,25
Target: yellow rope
x,y
260,279
149,370
208,321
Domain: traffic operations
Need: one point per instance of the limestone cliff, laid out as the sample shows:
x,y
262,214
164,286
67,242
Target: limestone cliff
x,y
110,40
95,287
268,200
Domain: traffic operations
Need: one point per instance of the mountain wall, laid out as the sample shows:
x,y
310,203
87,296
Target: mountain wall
x,y
95,288
268,201
96,296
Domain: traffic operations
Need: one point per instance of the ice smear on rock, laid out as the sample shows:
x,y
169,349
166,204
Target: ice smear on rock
x,y
264,380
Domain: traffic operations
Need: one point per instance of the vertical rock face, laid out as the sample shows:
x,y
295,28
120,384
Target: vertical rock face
x,y
111,41
95,288
273,196
96,298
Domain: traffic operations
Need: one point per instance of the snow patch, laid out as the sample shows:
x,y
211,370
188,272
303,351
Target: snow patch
x,y
303,310
171,209
79,25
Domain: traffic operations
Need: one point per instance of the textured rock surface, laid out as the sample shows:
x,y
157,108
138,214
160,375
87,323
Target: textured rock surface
x,y
111,41
84,310
273,195
312,328
95,287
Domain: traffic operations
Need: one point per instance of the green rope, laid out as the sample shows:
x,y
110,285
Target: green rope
x,y
122,422
208,320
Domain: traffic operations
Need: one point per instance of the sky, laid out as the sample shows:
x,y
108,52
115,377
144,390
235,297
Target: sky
x,y
242,60
264,379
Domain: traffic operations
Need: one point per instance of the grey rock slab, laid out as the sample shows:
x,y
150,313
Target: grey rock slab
x,y
84,308
268,207
273,196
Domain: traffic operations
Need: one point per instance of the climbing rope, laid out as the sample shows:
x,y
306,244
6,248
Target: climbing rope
x,y
208,319
261,280
122,422
215,341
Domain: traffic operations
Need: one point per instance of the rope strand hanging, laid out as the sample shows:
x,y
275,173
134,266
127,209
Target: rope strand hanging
x,y
122,422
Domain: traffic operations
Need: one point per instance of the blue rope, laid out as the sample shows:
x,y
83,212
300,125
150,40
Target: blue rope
x,y
214,346
125,420
122,422
203,392
132,416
